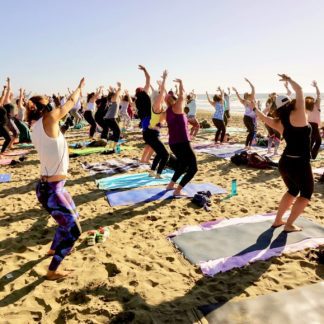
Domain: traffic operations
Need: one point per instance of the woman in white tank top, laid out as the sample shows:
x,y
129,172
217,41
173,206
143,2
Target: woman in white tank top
x,y
54,162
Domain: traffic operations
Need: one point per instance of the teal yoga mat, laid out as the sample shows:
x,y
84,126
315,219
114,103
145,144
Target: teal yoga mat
x,y
133,181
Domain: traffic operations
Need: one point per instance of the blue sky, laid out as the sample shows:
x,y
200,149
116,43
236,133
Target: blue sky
x,y
49,45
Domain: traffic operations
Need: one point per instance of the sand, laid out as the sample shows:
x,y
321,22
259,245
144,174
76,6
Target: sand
x,y
136,275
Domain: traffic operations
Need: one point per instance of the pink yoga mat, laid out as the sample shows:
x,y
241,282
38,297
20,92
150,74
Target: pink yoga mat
x,y
319,171
16,152
5,161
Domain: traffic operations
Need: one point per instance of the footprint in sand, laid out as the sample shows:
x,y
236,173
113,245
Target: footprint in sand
x,y
111,269
170,259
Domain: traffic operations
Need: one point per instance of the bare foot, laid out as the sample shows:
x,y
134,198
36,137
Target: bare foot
x,y
51,252
151,173
292,228
158,176
179,193
55,275
278,224
170,186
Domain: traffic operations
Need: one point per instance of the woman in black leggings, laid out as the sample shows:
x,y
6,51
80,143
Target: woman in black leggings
x,y
4,130
110,118
294,165
152,133
179,141
90,111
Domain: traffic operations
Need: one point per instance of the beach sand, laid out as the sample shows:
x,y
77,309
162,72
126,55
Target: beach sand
x,y
136,275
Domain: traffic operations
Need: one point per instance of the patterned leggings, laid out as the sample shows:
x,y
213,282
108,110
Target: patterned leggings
x,y
58,202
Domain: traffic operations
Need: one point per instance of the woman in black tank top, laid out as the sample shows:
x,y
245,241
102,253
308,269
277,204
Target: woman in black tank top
x,y
294,165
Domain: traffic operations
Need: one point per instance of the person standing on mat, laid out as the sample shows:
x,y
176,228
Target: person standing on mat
x,y
53,153
143,105
90,111
179,141
218,117
4,130
313,109
294,165
227,106
110,118
192,114
152,134
249,118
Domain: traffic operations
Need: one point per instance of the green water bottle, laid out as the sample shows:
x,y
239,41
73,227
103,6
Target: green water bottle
x,y
234,187
118,149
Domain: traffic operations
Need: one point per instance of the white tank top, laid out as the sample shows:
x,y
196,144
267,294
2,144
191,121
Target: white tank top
x,y
124,106
91,106
53,152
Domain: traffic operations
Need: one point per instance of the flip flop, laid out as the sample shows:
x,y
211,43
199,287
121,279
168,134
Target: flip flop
x,y
91,237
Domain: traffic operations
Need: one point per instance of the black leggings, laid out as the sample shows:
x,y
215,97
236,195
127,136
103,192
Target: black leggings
x,y
88,116
112,124
226,117
186,162
151,137
249,124
297,175
221,129
316,140
4,132
102,123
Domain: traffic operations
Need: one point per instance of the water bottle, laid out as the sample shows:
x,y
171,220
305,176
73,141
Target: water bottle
x,y
234,187
118,149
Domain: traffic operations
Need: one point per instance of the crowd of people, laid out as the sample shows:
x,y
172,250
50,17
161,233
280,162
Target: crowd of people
x,y
43,120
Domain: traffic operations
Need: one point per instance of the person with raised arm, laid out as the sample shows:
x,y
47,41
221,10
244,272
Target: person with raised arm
x,y
289,93
74,112
90,111
227,106
313,109
179,141
124,116
192,114
152,134
294,165
24,133
143,105
110,118
249,118
52,150
218,117
4,130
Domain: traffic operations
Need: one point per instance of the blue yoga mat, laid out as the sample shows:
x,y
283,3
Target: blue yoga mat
x,y
130,197
5,177
133,181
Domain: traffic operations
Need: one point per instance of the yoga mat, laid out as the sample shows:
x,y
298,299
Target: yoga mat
x,y
133,180
114,166
228,129
319,171
5,161
87,151
223,151
25,145
16,152
237,242
5,177
296,306
130,197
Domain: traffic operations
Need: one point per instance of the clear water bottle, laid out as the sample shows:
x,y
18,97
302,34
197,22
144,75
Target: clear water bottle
x,y
234,187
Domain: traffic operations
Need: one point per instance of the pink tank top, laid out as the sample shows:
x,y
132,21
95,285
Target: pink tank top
x,y
178,127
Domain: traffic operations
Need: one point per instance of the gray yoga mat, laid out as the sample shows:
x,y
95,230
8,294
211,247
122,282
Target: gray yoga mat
x,y
240,239
303,305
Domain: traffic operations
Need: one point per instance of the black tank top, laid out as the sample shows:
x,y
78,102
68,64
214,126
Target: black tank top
x,y
298,139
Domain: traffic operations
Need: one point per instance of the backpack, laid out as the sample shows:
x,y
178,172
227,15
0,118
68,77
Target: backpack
x,y
240,158
202,199
257,161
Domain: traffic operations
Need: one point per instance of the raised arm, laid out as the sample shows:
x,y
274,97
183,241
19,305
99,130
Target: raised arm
x,y
3,95
116,96
271,122
6,99
58,113
21,98
318,93
252,88
221,93
178,106
300,101
238,96
147,78
209,100
288,90
157,105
